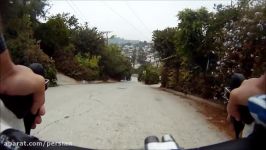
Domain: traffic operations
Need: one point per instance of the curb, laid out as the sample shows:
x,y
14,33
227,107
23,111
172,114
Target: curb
x,y
191,97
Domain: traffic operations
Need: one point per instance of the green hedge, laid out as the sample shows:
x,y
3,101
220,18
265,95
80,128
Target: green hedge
x,y
148,74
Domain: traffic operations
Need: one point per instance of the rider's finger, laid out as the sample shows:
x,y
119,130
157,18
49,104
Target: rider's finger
x,y
230,122
228,118
41,111
38,95
33,126
38,120
232,110
233,104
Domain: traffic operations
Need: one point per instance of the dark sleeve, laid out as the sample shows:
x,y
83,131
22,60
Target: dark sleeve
x,y
257,108
2,43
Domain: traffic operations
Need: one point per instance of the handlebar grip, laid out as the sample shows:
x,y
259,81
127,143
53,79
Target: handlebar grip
x,y
28,122
20,106
245,116
29,118
236,80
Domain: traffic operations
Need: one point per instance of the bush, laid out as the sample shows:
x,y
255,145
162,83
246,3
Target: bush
x,y
66,63
114,64
149,74
140,72
25,51
201,54
172,78
152,77
54,34
34,55
90,63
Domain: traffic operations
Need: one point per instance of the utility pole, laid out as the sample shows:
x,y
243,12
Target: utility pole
x,y
106,34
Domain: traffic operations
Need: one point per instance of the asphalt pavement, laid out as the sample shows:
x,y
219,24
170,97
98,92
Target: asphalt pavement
x,y
120,116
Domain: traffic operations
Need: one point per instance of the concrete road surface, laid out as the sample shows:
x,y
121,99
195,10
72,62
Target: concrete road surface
x,y
120,116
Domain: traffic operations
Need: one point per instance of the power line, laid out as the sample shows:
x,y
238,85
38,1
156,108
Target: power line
x,y
68,2
80,12
137,16
124,19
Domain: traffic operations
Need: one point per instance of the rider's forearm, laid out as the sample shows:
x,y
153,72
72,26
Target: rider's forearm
x,y
6,64
262,85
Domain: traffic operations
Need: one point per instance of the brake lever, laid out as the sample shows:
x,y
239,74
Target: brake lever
x,y
30,118
245,116
29,121
21,105
238,125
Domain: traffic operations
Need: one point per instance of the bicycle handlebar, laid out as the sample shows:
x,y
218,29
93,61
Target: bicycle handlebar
x,y
21,105
245,117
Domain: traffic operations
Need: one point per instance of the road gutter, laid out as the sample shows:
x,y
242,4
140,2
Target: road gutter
x,y
195,98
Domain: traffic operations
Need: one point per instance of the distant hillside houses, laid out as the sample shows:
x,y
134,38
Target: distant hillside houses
x,y
139,52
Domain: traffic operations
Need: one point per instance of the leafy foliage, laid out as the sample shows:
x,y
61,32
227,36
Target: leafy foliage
x,y
90,63
206,48
165,42
25,50
149,74
11,9
114,64
65,62
61,43
193,27
89,41
54,34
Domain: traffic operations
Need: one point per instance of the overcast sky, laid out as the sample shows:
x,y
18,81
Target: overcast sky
x,y
135,19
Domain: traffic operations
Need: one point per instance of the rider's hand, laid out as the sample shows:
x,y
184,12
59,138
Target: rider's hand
x,y
239,96
21,81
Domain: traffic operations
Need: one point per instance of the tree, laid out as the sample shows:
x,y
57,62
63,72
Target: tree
x,y
114,64
212,46
11,9
18,17
70,20
54,34
165,42
88,41
148,74
193,27
244,41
